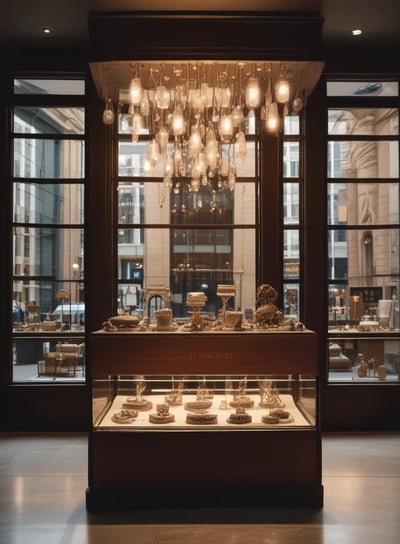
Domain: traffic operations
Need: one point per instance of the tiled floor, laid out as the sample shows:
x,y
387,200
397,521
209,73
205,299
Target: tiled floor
x,y
42,500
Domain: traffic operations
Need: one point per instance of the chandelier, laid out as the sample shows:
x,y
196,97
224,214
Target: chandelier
x,y
196,115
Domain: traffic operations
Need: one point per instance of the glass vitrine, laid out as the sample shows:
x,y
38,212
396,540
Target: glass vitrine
x,y
134,403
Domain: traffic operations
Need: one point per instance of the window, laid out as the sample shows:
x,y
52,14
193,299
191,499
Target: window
x,y
48,187
291,198
362,187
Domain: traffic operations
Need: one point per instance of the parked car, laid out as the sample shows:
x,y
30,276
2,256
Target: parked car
x,y
75,311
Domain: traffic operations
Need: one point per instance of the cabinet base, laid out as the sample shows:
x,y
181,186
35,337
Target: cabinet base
x,y
228,497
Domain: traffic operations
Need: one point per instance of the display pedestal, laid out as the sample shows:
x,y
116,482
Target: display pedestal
x,y
153,467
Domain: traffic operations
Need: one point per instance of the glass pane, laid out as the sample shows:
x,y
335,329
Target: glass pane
x,y
38,359
291,125
148,202
185,260
365,361
48,203
364,256
363,203
291,159
49,86
364,307
362,88
291,254
365,121
291,203
51,252
363,159
48,305
35,120
291,300
131,160
45,158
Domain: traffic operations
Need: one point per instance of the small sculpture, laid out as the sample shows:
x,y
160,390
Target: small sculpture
x,y
267,314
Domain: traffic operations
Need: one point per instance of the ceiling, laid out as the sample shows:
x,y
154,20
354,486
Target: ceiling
x,y
21,20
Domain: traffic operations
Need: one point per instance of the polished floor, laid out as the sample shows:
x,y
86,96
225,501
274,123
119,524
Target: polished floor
x,y
42,500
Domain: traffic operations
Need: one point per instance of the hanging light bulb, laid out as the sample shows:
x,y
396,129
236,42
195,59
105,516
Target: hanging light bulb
x,y
237,116
194,142
211,148
253,93
136,126
240,145
152,152
145,105
169,167
178,122
162,138
282,88
222,97
197,99
226,127
135,91
232,178
162,97
147,166
108,113
272,119
297,104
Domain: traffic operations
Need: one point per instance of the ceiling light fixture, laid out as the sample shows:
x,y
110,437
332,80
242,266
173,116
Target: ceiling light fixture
x,y
356,32
197,113
47,30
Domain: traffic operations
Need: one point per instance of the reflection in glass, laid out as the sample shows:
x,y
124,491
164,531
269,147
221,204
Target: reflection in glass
x,y
291,203
291,159
45,158
48,203
47,251
363,269
357,121
362,88
291,125
34,120
364,256
366,159
363,203
49,86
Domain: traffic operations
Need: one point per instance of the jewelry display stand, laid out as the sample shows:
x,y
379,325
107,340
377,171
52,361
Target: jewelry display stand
x,y
205,452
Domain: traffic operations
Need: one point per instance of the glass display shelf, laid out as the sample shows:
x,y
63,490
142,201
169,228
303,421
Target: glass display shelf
x,y
140,403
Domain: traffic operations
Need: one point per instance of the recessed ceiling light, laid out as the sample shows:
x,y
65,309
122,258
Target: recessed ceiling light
x,y
47,30
356,32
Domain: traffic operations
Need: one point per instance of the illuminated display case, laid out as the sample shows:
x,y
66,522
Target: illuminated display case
x,y
204,419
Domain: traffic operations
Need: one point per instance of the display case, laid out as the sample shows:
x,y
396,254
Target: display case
x,y
204,419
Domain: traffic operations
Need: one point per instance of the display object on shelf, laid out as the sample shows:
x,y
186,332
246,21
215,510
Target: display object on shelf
x,y
124,416
162,416
267,316
192,411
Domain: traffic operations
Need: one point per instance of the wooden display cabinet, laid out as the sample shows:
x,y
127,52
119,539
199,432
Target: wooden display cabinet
x,y
142,465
